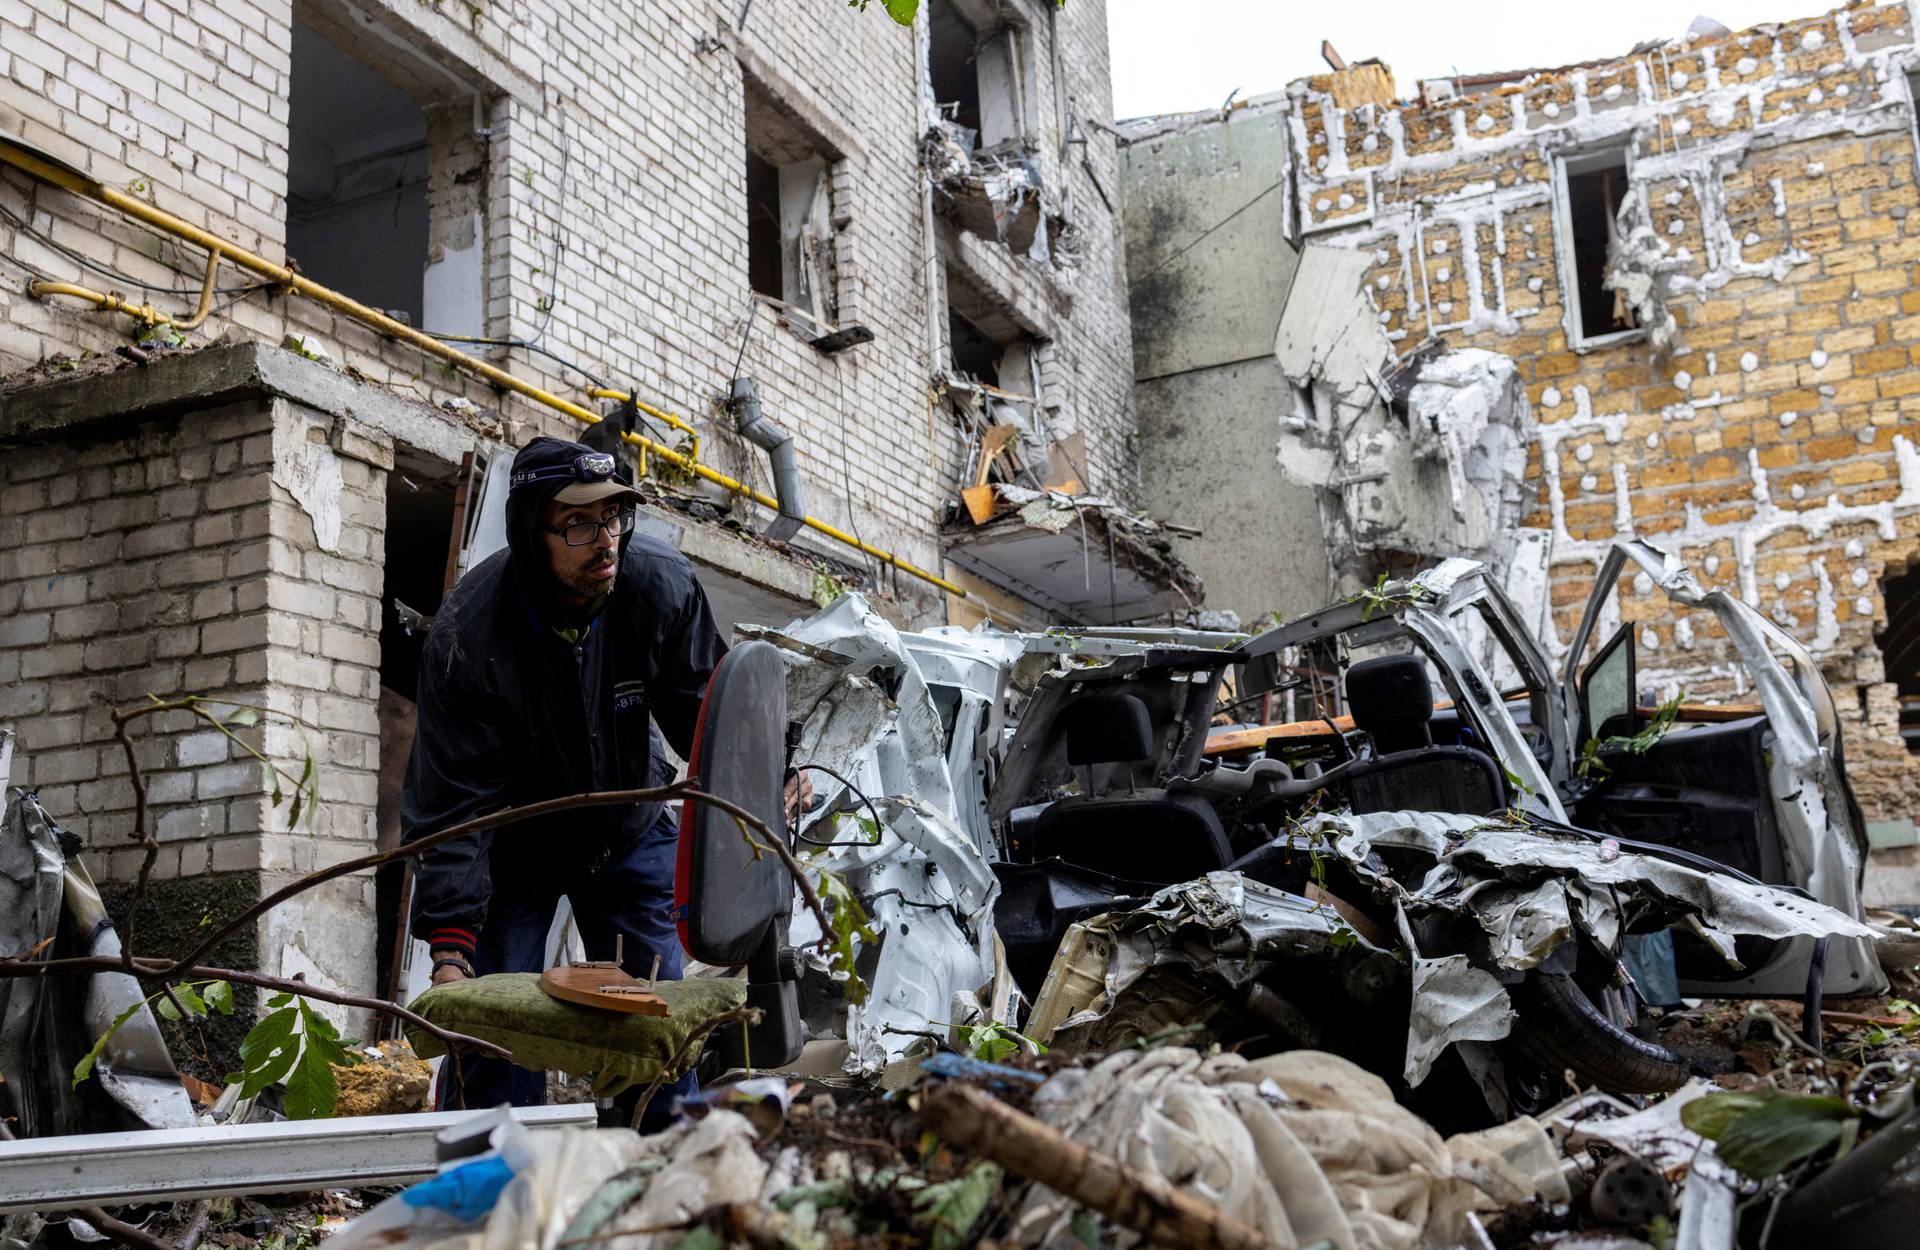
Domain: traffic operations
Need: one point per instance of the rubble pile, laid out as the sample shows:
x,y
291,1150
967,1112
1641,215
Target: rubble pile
x,y
1193,1146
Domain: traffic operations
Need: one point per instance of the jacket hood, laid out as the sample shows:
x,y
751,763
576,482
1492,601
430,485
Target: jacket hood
x,y
526,508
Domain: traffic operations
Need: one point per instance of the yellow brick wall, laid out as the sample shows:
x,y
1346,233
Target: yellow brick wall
x,y
1778,170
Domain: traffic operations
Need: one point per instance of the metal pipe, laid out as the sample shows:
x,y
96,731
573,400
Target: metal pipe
x,y
283,1156
45,170
206,294
753,426
110,303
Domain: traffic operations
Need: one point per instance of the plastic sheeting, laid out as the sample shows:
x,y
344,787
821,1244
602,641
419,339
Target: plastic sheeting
x,y
519,1195
1304,1146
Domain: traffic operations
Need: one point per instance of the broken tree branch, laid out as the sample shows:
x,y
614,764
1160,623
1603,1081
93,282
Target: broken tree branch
x,y
508,816
189,965
1145,1203
158,969
140,831
144,835
746,1016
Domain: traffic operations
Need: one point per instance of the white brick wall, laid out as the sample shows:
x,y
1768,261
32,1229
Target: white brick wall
x,y
185,102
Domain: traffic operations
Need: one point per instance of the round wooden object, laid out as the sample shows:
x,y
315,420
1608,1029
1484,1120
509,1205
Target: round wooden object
x,y
606,986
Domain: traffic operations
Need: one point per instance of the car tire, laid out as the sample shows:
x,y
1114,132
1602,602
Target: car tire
x,y
1558,1026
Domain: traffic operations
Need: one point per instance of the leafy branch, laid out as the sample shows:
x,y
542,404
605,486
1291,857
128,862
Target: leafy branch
x,y
1633,744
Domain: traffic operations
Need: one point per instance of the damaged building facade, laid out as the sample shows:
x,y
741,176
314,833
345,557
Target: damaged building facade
x,y
869,273
1698,260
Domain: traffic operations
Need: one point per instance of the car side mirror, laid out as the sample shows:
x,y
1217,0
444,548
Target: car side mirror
x,y
1609,686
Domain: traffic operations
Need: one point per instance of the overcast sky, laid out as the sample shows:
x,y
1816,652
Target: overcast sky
x,y
1174,56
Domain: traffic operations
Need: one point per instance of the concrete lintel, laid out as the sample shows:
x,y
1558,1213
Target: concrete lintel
x,y
219,375
795,96
462,60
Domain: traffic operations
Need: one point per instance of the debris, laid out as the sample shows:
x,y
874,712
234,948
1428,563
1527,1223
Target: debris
x,y
48,1024
392,1080
1142,1201
521,1192
992,193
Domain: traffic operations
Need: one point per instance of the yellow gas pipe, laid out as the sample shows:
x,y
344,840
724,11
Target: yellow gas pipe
x,y
79,184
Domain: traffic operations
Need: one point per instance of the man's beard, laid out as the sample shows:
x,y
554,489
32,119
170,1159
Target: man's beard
x,y
588,587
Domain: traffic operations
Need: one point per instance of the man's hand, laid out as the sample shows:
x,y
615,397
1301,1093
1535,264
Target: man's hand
x,y
447,973
799,797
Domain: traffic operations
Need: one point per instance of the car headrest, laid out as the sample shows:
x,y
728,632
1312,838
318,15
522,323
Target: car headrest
x,y
1389,693
1108,729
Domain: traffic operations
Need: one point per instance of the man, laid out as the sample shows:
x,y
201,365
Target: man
x,y
538,680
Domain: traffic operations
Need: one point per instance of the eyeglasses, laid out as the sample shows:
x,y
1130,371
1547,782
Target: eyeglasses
x,y
584,533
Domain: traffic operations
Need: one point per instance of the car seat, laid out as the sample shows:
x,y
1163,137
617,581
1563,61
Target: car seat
x,y
1142,833
1391,700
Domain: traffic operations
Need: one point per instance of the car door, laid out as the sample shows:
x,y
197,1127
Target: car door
x,y
1757,787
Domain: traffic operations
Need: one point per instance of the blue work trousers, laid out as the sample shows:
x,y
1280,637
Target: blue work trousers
x,y
631,894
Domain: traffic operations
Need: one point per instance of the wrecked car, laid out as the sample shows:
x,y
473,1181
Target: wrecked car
x,y
1472,846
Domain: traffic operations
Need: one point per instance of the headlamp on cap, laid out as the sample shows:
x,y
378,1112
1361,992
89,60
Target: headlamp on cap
x,y
592,466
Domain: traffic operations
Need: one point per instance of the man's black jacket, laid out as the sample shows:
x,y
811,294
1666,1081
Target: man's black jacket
x,y
509,713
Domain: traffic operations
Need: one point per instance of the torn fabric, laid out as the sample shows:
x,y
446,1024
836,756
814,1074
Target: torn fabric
x,y
1304,1146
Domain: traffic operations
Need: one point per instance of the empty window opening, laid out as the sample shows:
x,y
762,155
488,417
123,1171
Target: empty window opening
x,y
1593,188
421,492
790,236
356,179
976,354
1900,649
975,70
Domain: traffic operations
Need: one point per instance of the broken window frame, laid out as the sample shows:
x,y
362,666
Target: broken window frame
x,y
1018,401
1565,166
811,193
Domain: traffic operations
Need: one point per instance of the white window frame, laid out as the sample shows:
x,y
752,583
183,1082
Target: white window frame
x,y
1581,162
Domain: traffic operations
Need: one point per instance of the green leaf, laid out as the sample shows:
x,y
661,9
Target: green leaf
x,y
188,1001
219,997
849,922
902,11
1710,1115
268,1051
323,1039
242,717
1765,1132
950,1209
84,1069
312,1091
